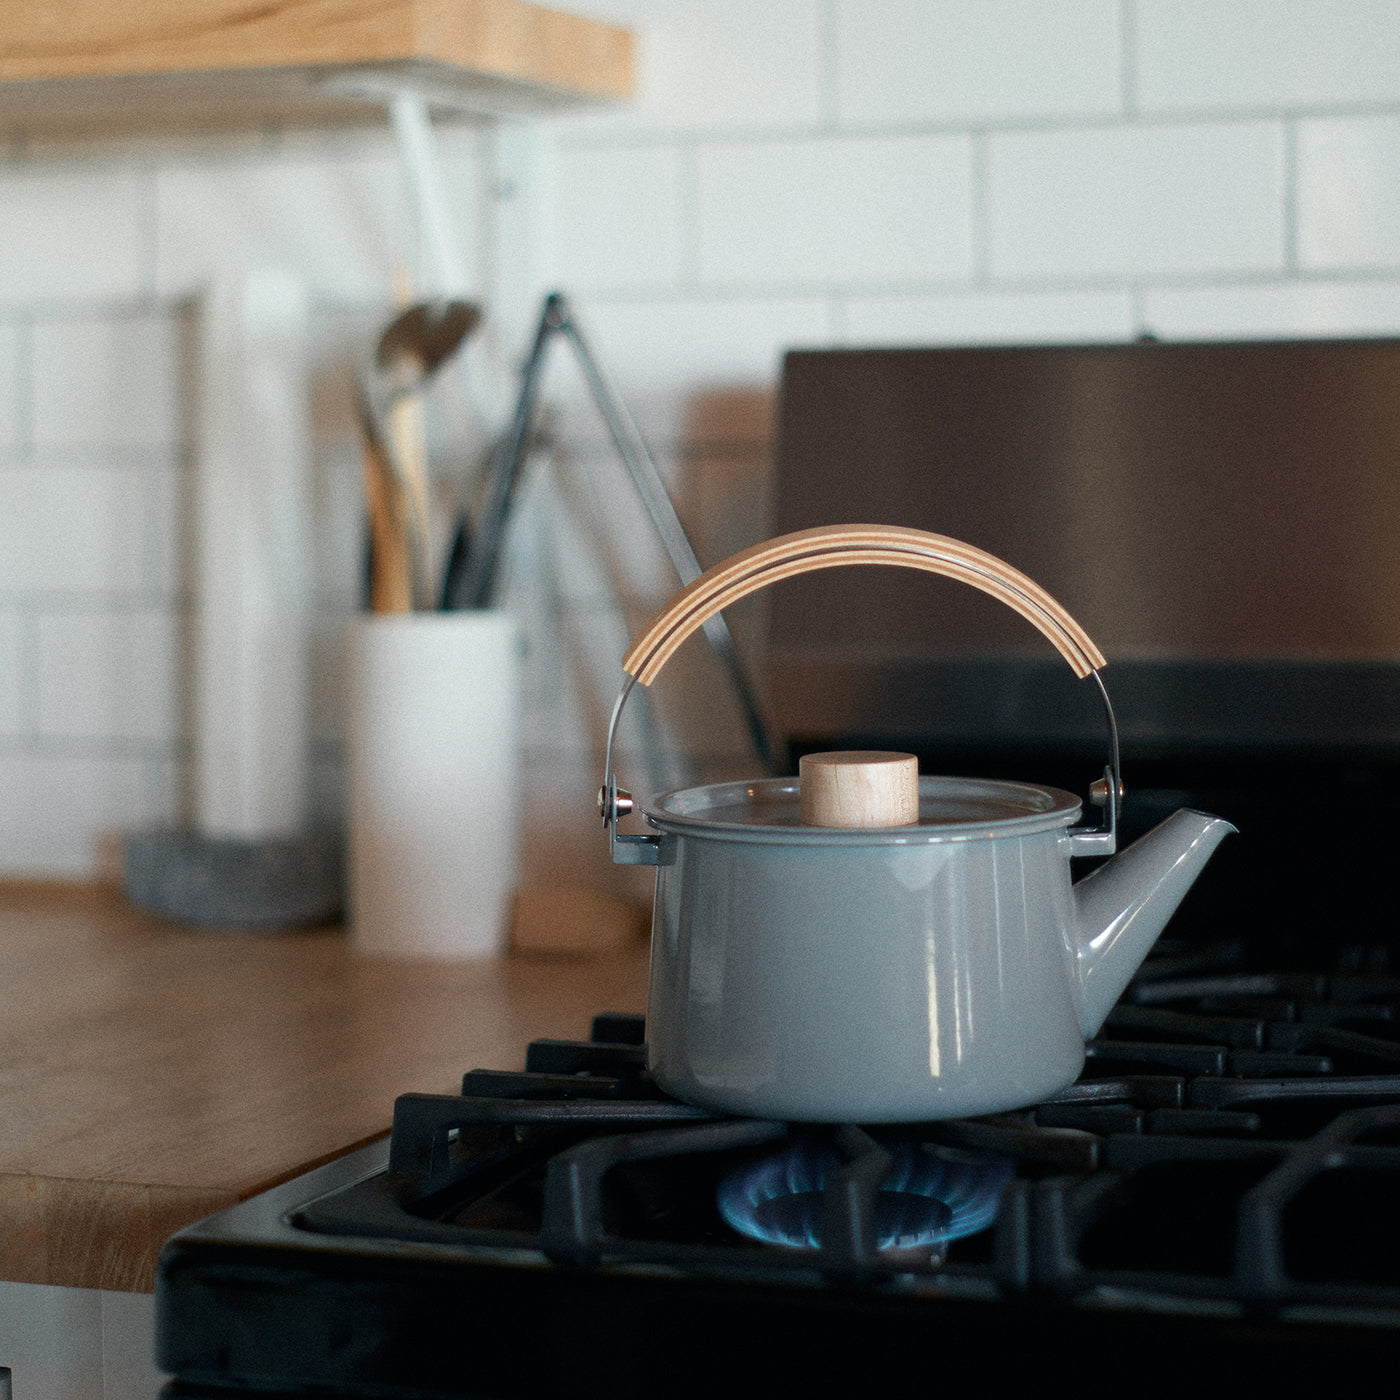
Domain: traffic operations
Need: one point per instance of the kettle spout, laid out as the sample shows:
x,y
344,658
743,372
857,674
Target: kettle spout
x,y
1123,906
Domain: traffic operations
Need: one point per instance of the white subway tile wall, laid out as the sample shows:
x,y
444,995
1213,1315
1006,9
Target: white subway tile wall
x,y
621,215
76,530
847,210
1275,311
107,675
1136,201
75,232
1200,55
795,173
719,65
1348,192
999,61
105,382
988,318
335,217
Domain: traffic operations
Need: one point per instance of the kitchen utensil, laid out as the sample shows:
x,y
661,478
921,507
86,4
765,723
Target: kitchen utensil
x,y
478,553
414,345
389,568
891,973
419,341
473,564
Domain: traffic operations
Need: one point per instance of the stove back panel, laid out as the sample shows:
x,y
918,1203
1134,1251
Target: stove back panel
x,y
1222,518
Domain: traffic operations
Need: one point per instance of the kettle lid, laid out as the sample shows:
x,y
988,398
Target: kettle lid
x,y
770,810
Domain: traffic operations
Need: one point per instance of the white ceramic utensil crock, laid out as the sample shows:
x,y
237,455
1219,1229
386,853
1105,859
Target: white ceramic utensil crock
x,y
897,973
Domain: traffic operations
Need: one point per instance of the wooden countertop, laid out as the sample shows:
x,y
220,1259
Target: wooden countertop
x,y
151,1075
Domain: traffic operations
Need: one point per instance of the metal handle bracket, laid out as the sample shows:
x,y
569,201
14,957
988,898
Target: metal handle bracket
x,y
615,803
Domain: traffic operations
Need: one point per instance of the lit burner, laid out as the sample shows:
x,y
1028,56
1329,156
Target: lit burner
x,y
931,1195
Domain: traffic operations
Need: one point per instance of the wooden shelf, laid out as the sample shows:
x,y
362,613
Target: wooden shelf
x,y
165,62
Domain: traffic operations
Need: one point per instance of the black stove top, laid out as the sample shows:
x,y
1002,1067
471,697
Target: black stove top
x,y
1220,1182
1218,1189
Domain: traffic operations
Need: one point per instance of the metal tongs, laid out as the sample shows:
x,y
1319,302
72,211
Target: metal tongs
x,y
475,557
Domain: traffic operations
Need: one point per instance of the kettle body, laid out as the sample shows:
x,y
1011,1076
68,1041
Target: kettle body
x,y
865,981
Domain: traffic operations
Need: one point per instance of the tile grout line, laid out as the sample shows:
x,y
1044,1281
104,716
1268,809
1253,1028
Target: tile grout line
x,y
1289,193
688,237
24,386
1107,118
1128,58
30,697
980,271
828,66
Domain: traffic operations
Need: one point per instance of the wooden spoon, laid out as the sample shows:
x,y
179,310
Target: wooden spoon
x,y
412,347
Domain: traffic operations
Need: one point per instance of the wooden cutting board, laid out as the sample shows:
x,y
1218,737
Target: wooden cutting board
x,y
151,1075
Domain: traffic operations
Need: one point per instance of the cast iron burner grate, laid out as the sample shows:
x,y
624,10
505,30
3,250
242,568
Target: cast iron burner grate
x,y
1234,1140
583,1158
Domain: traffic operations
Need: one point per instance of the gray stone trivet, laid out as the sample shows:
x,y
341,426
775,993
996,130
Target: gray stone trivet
x,y
283,882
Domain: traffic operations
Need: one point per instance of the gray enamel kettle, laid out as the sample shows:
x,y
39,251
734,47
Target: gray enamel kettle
x,y
932,960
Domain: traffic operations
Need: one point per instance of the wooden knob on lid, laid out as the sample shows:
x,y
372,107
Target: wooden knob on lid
x,y
859,788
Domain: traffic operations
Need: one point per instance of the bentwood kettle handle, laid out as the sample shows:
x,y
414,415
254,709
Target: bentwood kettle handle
x,y
835,546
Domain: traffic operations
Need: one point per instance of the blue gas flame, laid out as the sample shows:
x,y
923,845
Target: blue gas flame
x,y
931,1195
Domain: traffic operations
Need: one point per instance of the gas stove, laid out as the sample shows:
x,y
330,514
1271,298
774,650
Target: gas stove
x,y
1212,1202
1217,1188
